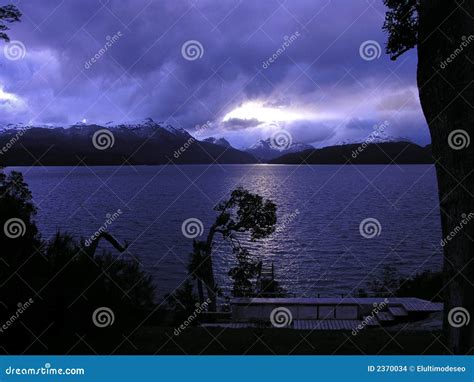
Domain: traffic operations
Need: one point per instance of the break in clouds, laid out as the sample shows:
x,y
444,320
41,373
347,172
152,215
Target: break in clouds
x,y
251,68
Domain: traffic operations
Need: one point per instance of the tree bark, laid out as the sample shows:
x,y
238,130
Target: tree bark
x,y
447,97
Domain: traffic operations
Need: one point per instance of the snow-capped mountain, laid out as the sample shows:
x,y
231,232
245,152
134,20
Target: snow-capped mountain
x,y
144,127
374,138
218,141
135,142
266,150
144,124
23,126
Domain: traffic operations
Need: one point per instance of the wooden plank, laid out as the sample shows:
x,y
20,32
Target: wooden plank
x,y
384,316
397,311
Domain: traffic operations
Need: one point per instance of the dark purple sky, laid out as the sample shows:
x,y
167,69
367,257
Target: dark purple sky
x,y
319,87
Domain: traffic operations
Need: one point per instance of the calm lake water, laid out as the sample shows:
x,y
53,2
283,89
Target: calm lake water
x,y
318,249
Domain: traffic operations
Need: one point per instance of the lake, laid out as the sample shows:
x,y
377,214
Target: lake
x,y
318,247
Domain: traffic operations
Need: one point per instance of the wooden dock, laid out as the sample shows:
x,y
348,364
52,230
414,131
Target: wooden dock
x,y
330,313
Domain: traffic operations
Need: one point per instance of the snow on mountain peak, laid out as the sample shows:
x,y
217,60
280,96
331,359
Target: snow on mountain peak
x,y
218,141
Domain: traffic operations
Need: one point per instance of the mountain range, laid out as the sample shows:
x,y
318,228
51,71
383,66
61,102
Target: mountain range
x,y
144,142
148,142
264,151
360,153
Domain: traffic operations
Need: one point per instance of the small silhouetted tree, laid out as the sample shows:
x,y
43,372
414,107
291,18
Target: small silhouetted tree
x,y
243,213
443,32
8,14
244,272
385,283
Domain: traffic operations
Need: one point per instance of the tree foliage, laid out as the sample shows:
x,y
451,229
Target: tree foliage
x,y
244,213
401,25
244,272
8,14
66,282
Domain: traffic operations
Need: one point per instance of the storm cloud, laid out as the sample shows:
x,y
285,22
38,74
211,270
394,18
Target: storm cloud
x,y
189,62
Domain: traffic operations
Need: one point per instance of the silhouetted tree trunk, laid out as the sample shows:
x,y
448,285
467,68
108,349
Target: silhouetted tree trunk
x,y
447,98
210,282
200,291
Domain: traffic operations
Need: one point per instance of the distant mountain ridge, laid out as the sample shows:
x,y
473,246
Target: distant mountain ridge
x,y
218,141
264,150
147,142
371,153
373,139
142,142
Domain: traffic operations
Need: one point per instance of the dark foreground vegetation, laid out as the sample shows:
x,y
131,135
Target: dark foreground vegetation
x,y
50,289
161,340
